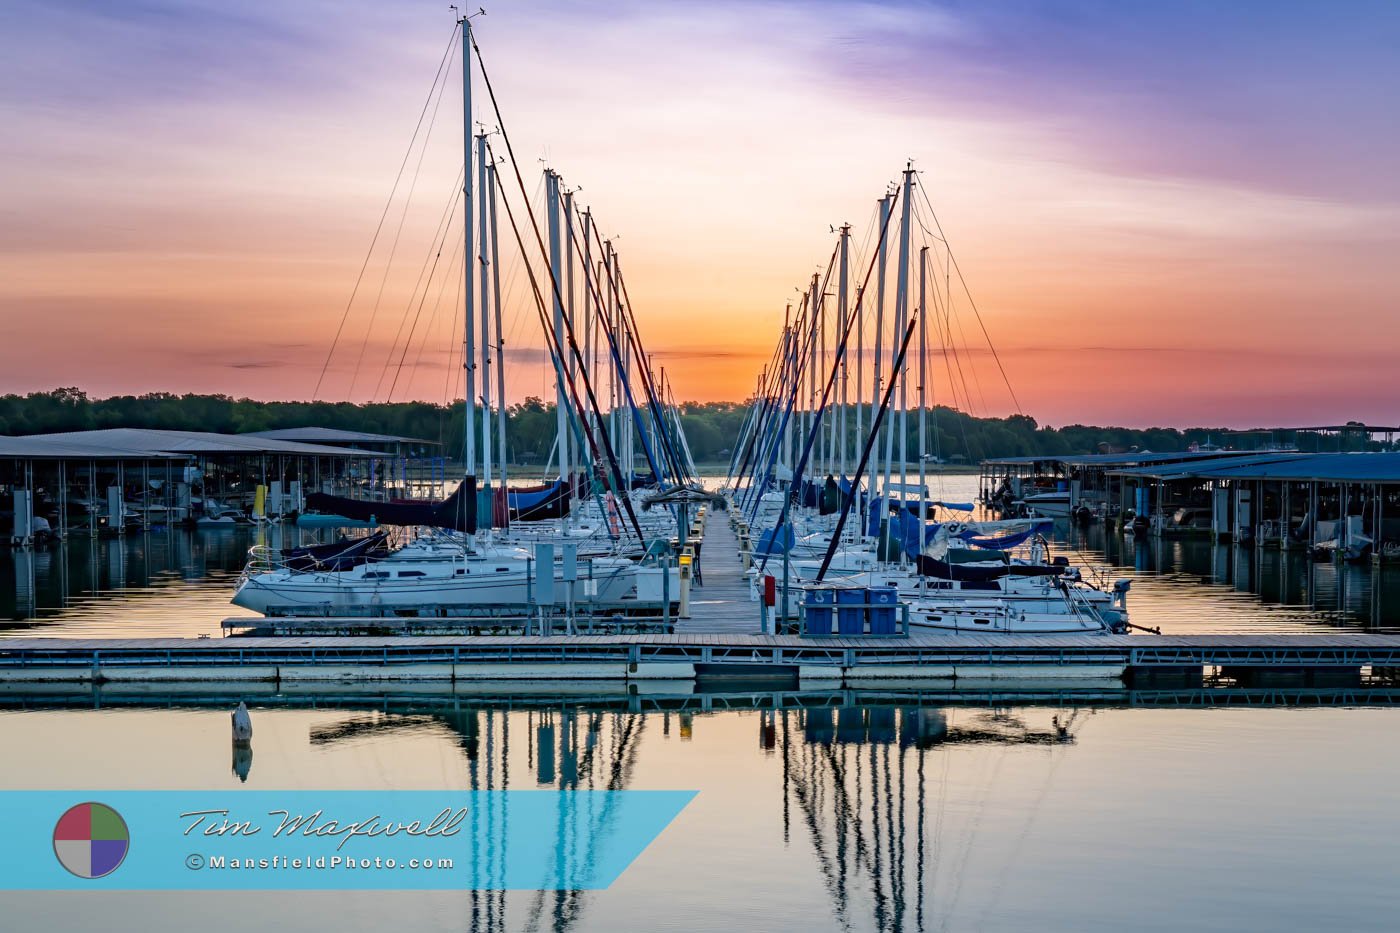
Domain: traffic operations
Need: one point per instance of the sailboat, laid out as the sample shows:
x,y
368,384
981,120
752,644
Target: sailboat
x,y
955,573
486,543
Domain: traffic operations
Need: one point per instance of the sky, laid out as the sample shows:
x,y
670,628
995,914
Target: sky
x,y
1166,213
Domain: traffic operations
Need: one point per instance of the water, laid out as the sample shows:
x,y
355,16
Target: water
x,y
1213,809
908,818
177,582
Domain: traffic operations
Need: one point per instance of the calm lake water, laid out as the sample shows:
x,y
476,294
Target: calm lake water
x,y
1107,809
902,817
177,582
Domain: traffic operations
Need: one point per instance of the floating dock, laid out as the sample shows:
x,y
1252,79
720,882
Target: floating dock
x,y
689,657
717,641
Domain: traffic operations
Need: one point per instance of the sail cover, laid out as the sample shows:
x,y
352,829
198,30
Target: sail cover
x,y
933,539
457,511
536,503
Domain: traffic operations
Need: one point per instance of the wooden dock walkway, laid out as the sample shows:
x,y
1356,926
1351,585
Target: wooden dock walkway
x,y
722,605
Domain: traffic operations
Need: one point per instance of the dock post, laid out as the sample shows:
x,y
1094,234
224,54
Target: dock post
x,y
665,593
686,558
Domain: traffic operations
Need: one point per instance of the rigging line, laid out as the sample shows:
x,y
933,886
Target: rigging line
x,y
451,44
398,233
634,340
439,238
554,283
945,338
432,318
953,260
408,341
551,338
967,348
452,345
517,319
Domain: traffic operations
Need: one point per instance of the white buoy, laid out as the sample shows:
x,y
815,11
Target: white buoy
x,y
242,725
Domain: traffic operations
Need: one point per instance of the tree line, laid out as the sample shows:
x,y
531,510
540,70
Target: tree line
x,y
712,429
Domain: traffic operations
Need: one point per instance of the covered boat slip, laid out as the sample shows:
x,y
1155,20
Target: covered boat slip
x,y
1347,504
1091,480
106,481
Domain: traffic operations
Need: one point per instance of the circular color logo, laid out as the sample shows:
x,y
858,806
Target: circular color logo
x,y
91,840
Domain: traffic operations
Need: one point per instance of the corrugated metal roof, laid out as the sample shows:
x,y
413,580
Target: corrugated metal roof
x,y
1140,456
40,447
316,435
130,443
1202,465
1327,468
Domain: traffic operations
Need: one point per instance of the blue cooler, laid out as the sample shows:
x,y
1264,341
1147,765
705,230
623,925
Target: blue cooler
x,y
820,600
850,610
884,603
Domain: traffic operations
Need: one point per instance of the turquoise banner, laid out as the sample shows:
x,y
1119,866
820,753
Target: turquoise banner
x,y
318,840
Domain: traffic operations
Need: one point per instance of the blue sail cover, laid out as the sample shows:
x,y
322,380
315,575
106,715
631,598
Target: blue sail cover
x,y
550,500
1006,541
905,529
769,544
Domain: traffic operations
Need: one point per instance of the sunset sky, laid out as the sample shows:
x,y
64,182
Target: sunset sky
x,y
1167,213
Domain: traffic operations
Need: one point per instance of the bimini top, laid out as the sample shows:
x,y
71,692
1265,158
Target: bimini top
x,y
154,444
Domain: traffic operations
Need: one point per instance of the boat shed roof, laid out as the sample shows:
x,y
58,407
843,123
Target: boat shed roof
x,y
1326,468
153,444
1202,466
1123,459
39,447
317,435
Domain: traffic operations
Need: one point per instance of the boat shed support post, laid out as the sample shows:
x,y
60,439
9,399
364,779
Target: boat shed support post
x,y
63,499
1312,511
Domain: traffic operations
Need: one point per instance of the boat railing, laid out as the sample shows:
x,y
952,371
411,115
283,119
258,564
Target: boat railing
x,y
260,560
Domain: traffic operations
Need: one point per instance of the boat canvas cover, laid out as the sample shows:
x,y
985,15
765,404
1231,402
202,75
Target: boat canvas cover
x,y
770,543
336,556
457,511
536,503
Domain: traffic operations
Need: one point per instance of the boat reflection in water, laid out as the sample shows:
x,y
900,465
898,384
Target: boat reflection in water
x,y
878,811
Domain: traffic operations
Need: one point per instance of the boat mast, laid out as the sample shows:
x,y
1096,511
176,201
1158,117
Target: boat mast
x,y
886,208
827,424
500,334
857,404
843,315
609,314
556,268
589,325
814,325
486,264
923,391
469,324
901,318
575,455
